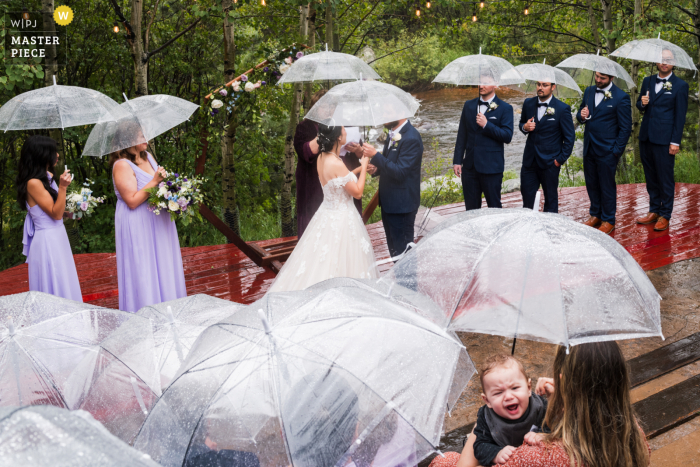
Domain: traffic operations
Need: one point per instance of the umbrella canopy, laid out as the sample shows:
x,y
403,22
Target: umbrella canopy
x,y
58,106
145,118
522,273
96,359
178,323
534,72
582,67
46,436
655,51
478,70
327,66
310,378
363,103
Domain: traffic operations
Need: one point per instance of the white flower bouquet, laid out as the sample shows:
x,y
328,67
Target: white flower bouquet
x,y
81,203
179,196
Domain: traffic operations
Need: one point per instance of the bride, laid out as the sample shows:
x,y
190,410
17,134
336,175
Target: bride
x,y
335,243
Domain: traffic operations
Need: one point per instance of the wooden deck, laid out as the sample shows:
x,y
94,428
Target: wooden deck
x,y
223,271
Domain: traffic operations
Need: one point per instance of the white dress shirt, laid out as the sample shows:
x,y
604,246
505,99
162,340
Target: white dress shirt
x,y
658,85
393,132
541,110
599,95
483,108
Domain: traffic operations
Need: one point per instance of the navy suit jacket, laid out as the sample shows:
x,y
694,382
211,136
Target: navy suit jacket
x,y
610,124
664,115
479,148
553,136
399,171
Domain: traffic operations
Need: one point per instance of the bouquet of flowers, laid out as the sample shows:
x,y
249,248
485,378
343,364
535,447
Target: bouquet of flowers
x,y
82,203
179,196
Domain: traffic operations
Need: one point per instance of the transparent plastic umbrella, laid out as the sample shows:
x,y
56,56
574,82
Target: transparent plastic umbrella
x,y
327,66
475,70
96,359
525,274
656,51
146,117
310,378
582,67
363,103
534,72
45,436
178,323
58,106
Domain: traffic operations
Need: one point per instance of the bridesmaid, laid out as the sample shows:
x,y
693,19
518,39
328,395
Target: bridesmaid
x,y
49,256
149,263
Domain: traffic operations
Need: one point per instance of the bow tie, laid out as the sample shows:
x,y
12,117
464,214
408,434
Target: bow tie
x,y
600,91
542,104
483,103
659,80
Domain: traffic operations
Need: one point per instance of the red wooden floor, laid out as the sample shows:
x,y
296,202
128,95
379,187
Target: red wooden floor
x,y
223,271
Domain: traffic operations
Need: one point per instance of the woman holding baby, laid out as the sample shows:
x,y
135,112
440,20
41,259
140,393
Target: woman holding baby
x,y
589,414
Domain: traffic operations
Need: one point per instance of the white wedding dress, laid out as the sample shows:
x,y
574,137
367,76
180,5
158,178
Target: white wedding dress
x,y
335,243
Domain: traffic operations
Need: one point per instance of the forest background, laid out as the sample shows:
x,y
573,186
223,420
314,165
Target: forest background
x,y
189,48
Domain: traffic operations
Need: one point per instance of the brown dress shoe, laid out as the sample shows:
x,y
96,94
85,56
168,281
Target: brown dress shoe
x,y
650,218
607,228
661,224
592,222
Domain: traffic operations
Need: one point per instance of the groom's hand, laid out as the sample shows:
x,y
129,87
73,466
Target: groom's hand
x,y
369,150
458,170
354,148
481,120
371,169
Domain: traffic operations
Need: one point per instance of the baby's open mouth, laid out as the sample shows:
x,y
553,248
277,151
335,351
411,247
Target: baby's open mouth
x,y
512,409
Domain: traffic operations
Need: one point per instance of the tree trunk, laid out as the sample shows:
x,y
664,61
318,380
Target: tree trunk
x,y
634,94
228,163
137,50
288,223
329,24
594,23
608,24
51,65
311,42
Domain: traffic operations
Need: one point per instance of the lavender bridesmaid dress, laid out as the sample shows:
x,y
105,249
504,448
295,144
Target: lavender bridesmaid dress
x,y
49,257
149,263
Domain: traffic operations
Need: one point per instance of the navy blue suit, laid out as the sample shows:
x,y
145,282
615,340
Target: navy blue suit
x,y
604,140
480,152
662,124
399,171
552,139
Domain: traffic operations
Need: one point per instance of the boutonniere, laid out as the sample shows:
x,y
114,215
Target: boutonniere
x,y
549,111
492,106
607,95
396,138
667,86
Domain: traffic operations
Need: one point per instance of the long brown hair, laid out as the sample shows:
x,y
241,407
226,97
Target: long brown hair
x,y
128,133
590,413
125,154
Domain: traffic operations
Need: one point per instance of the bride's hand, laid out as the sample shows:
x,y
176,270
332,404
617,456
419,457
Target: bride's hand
x,y
364,161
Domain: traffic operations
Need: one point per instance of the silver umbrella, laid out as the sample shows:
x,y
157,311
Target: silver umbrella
x,y
178,323
655,51
58,352
475,70
363,103
582,67
327,66
522,273
534,72
58,106
46,436
145,118
312,378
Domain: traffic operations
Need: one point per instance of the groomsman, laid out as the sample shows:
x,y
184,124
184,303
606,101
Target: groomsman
x,y
549,127
606,110
485,126
664,101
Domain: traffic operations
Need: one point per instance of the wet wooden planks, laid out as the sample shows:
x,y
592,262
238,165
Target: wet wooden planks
x,y
669,408
664,360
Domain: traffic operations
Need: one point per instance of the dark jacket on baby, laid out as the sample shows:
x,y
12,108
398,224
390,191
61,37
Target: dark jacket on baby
x,y
493,432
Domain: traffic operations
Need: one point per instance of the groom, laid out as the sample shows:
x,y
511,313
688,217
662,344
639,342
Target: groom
x,y
398,169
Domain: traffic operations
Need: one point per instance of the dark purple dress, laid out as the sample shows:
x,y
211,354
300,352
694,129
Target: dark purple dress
x,y
309,191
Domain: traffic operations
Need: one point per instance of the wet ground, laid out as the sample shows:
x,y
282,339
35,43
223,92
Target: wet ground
x,y
679,286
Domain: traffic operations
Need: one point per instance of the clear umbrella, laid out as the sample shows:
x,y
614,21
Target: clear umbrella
x,y
534,72
46,436
363,103
655,51
582,67
146,117
58,106
522,273
309,378
178,323
96,359
475,70
327,66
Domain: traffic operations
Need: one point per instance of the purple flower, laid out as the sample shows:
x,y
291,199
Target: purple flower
x,y
170,183
267,68
300,54
83,206
215,111
176,175
183,203
263,82
244,78
212,113
223,92
184,179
